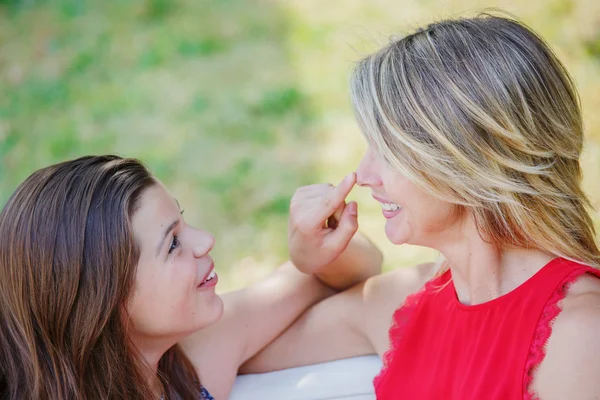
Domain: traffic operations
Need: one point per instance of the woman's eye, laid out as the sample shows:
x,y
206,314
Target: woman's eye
x,y
174,243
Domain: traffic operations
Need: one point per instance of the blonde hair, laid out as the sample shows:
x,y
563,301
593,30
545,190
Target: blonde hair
x,y
481,113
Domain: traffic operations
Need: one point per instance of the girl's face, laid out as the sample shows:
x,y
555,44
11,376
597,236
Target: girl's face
x,y
413,215
174,293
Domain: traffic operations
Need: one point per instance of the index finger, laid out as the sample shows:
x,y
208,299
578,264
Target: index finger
x,y
336,197
341,191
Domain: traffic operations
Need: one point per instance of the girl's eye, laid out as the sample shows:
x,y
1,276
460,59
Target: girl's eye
x,y
174,243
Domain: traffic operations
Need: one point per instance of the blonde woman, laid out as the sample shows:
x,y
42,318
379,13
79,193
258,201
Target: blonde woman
x,y
474,132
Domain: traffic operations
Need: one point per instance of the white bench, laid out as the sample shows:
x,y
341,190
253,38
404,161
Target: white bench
x,y
350,379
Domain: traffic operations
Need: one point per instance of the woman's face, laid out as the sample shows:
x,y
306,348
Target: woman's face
x,y
413,215
174,293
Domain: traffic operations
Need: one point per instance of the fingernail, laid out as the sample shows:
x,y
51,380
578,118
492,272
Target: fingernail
x,y
353,209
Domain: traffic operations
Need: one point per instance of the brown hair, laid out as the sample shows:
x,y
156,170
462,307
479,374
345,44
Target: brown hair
x,y
481,113
67,267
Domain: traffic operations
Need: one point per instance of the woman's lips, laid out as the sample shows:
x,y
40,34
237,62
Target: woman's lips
x,y
389,209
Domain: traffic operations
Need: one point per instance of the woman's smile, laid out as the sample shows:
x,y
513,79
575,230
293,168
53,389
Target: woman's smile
x,y
389,209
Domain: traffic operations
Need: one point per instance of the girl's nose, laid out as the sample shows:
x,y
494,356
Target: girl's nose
x,y
204,242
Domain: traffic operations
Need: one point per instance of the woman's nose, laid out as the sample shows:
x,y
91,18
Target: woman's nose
x,y
366,173
204,242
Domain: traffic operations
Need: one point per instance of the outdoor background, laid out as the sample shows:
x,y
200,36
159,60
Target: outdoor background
x,y
232,103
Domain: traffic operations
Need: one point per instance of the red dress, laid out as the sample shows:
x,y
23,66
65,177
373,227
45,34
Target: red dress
x,y
442,349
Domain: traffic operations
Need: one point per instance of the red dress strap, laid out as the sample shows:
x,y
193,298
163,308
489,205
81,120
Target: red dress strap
x,y
551,310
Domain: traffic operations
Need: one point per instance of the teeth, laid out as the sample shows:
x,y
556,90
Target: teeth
x,y
211,275
390,206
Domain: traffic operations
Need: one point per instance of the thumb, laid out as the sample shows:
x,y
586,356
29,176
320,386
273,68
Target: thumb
x,y
347,227
333,221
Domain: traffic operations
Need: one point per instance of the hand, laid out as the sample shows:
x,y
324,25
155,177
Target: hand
x,y
321,224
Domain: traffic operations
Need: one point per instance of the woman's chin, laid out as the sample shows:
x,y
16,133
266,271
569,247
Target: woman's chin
x,y
396,234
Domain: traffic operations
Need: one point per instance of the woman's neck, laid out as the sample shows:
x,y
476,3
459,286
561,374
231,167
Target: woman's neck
x,y
482,272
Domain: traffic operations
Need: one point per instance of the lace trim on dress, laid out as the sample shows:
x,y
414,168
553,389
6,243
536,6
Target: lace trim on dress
x,y
400,320
537,351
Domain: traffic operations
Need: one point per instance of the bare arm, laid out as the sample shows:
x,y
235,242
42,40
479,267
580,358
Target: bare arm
x,y
351,323
360,261
255,316
252,317
570,368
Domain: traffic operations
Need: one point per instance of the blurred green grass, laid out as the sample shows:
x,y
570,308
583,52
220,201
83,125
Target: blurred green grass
x,y
232,103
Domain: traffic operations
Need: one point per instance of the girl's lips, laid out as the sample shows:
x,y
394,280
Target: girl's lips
x,y
203,283
212,283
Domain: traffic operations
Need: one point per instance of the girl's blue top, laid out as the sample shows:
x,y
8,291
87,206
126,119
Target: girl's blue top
x,y
204,395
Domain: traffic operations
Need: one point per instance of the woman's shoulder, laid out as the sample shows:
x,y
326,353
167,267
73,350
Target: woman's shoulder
x,y
572,361
390,291
383,295
581,306
399,283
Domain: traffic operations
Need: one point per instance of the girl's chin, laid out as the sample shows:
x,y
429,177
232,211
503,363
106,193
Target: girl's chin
x,y
211,313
